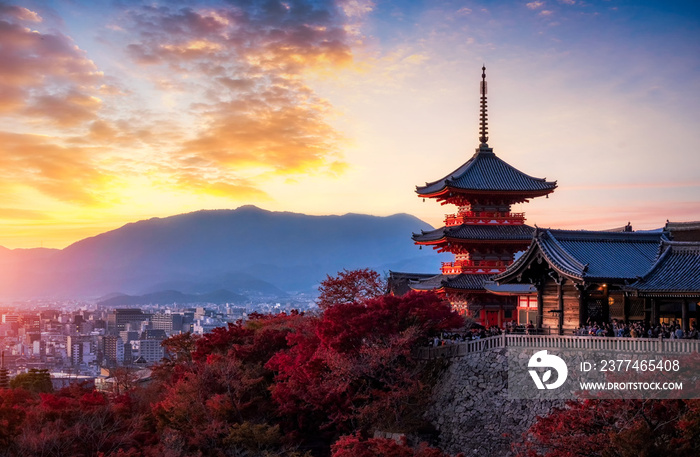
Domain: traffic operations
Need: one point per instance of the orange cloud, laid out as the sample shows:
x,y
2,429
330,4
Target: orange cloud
x,y
239,69
26,214
246,65
285,139
66,174
66,110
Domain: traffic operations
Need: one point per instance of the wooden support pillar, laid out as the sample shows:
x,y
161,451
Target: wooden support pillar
x,y
540,304
582,305
625,308
560,309
685,319
654,311
648,318
606,306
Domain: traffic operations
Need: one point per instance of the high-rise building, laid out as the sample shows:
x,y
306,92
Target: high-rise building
x,y
120,317
113,350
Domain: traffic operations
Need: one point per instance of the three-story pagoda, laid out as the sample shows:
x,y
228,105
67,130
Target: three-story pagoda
x,y
483,233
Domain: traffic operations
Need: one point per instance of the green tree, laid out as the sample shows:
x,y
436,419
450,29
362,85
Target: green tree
x,y
38,381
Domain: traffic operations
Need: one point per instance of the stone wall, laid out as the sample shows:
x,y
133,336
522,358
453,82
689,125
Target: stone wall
x,y
472,411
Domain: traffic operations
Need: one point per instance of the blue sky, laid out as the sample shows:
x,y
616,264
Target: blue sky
x,y
115,111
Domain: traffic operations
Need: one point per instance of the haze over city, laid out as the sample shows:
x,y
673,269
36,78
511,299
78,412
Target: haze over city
x,y
115,111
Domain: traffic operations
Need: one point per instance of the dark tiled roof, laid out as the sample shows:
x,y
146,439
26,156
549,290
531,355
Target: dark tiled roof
x,y
432,283
486,172
478,232
682,226
468,282
677,270
683,231
509,289
591,255
398,283
471,282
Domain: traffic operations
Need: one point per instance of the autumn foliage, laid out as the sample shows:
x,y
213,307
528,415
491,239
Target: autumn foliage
x,y
355,446
310,385
350,286
616,428
286,385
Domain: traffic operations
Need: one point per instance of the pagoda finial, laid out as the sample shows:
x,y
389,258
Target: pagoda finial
x,y
483,129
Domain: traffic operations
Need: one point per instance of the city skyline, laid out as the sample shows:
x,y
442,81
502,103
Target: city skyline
x,y
115,111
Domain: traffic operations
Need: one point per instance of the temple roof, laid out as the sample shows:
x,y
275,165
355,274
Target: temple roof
x,y
486,232
589,256
676,271
485,172
683,231
398,282
467,282
509,289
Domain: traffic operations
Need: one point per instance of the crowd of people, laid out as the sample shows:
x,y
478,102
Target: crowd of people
x,y
475,333
615,328
621,329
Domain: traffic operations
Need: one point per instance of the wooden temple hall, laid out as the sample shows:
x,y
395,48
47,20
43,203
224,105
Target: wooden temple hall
x,y
565,278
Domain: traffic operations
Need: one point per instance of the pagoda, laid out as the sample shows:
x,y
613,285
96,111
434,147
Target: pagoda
x,y
483,233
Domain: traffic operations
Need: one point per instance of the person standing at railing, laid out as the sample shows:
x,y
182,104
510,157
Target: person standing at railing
x,y
530,327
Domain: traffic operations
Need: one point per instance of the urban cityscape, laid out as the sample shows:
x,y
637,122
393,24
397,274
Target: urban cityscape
x,y
82,341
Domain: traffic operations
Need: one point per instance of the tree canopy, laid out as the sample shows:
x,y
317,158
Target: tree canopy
x,y
284,385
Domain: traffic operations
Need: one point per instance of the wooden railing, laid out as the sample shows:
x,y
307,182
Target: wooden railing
x,y
474,266
660,345
485,217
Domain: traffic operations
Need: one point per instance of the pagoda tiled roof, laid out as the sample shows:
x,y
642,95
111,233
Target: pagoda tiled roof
x,y
486,172
485,232
675,272
590,256
466,282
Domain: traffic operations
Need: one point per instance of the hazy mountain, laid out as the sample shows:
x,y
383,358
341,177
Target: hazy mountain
x,y
248,251
172,296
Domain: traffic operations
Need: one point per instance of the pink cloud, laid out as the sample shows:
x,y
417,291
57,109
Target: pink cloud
x,y
43,73
535,5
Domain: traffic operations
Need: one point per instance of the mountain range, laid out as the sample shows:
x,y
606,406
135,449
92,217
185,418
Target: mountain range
x,y
248,251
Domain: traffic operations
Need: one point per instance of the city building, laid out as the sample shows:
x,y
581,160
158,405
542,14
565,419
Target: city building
x,y
151,351
118,319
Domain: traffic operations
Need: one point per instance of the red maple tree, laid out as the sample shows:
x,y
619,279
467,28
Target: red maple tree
x,y
350,286
616,428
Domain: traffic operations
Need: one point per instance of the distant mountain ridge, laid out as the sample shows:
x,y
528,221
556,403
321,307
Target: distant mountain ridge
x,y
172,296
248,251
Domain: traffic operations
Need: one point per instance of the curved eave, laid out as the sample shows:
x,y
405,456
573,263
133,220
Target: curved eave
x,y
559,259
518,267
509,289
455,290
666,293
448,192
521,264
450,240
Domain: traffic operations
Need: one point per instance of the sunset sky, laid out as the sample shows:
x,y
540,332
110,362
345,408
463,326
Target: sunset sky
x,y
115,111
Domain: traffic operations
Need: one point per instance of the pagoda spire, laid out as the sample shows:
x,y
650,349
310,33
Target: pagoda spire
x,y
483,129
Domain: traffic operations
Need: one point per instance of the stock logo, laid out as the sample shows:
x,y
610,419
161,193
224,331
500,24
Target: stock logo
x,y
543,360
